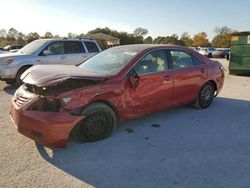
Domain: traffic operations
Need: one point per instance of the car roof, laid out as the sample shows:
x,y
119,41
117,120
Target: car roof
x,y
145,47
68,39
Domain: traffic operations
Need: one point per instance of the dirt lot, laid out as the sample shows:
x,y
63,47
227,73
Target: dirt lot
x,y
182,147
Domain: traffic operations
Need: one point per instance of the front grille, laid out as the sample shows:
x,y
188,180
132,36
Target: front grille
x,y
20,101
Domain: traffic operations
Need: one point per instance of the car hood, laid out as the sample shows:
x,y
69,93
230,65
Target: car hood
x,y
14,55
52,75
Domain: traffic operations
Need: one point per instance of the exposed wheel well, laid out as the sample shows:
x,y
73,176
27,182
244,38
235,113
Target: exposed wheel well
x,y
24,67
214,84
109,105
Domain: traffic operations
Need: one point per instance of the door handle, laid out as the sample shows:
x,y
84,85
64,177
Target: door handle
x,y
63,57
202,70
167,78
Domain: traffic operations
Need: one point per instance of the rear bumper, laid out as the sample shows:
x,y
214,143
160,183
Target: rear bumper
x,y
47,128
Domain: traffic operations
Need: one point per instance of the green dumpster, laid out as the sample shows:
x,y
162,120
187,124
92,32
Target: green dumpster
x,y
240,53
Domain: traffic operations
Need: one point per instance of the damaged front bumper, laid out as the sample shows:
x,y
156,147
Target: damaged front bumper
x,y
47,128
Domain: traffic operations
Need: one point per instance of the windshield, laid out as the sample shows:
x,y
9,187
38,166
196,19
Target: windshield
x,y
32,47
110,61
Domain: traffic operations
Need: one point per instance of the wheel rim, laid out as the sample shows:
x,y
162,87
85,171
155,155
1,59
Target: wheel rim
x,y
96,125
207,95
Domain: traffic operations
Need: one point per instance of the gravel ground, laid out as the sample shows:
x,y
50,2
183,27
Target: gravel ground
x,y
181,147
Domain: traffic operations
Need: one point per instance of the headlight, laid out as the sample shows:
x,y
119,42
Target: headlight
x,y
6,61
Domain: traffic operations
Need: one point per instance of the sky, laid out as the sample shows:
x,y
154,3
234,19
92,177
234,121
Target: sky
x,y
160,17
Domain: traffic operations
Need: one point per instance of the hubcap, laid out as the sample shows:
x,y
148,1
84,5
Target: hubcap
x,y
207,95
95,125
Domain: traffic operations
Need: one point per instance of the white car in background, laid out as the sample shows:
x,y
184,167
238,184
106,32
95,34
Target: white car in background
x,y
207,51
197,49
45,51
2,51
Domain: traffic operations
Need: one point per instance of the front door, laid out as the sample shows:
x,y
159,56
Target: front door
x,y
63,53
155,88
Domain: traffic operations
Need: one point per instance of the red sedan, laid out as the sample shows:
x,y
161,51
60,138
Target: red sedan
x,y
88,101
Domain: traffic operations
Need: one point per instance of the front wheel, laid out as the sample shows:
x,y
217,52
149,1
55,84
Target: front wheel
x,y
19,82
99,124
205,97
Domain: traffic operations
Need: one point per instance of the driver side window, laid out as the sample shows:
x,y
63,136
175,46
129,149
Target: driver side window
x,y
155,61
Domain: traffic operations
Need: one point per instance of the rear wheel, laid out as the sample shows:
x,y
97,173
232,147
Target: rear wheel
x,y
99,124
205,97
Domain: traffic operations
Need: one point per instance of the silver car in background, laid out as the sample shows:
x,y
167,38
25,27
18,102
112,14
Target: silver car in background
x,y
45,51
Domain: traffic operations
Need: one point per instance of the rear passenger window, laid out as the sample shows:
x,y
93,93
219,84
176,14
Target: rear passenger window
x,y
73,47
91,46
181,59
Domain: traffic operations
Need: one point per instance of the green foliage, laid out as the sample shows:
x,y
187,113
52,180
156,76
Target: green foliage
x,y
186,39
32,36
72,35
221,40
200,39
125,38
148,40
223,37
140,31
48,35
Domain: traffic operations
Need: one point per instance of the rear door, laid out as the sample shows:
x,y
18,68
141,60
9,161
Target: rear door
x,y
74,52
155,87
189,73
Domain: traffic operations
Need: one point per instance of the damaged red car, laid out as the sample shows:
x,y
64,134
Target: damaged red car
x,y
88,101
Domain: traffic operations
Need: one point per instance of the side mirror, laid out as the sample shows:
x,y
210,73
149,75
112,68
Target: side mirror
x,y
133,79
46,52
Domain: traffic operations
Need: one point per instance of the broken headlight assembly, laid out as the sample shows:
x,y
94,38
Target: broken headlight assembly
x,y
47,104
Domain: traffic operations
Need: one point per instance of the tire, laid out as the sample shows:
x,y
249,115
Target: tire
x,y
99,124
205,97
11,82
19,82
209,55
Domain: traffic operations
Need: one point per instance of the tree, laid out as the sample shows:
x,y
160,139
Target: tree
x,y
223,30
186,39
81,35
140,31
200,39
48,35
159,40
72,35
148,40
12,33
105,30
21,39
173,39
32,36
56,36
3,33
223,37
